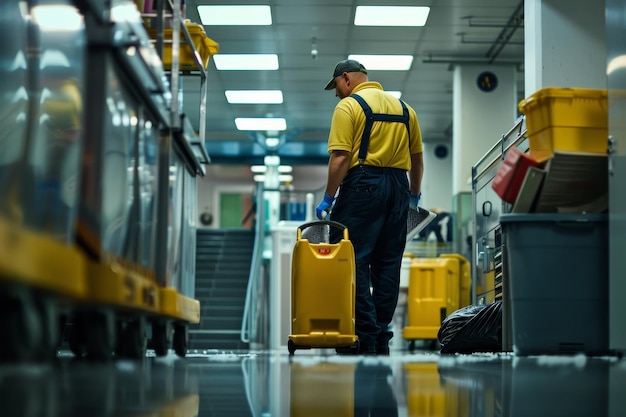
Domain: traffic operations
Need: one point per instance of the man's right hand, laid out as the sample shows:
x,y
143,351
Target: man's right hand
x,y
323,208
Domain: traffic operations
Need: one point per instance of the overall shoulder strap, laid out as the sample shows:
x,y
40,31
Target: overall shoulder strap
x,y
371,117
367,130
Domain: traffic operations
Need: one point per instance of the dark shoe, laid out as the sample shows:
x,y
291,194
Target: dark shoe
x,y
367,350
347,350
382,343
382,350
353,350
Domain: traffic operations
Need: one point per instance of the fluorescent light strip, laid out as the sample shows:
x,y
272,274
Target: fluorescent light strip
x,y
396,94
254,96
261,123
261,169
281,178
246,62
61,18
272,142
385,62
391,16
235,15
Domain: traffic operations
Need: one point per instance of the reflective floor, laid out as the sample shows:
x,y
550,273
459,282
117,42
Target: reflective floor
x,y
318,383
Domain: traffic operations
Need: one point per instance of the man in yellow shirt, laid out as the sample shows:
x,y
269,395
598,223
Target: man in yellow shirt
x,y
374,141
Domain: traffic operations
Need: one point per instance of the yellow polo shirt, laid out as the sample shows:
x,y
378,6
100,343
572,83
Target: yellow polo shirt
x,y
389,142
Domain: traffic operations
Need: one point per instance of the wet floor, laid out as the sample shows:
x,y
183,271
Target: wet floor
x,y
318,383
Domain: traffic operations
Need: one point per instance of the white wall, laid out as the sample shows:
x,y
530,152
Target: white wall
x,y
479,118
221,178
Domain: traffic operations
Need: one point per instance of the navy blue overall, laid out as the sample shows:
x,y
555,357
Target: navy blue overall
x,y
373,204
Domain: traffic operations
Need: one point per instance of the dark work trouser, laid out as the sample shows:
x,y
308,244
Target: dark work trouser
x,y
373,204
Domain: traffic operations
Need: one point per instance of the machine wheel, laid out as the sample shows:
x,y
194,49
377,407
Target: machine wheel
x,y
181,337
161,338
291,346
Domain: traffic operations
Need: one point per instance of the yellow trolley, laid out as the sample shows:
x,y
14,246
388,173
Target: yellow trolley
x,y
323,287
97,229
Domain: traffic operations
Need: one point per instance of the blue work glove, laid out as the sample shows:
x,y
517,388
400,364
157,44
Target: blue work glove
x,y
323,208
414,201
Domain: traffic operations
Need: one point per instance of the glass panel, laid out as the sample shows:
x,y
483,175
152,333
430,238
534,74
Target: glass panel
x,y
13,113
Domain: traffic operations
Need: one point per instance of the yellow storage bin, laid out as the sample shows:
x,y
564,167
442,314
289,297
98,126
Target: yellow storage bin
x,y
465,278
566,119
433,294
205,46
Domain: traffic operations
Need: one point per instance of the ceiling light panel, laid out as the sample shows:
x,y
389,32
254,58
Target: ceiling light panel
x,y
235,15
385,62
246,62
391,16
261,123
254,96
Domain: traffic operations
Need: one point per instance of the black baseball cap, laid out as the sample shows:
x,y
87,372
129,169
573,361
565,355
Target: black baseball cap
x,y
347,65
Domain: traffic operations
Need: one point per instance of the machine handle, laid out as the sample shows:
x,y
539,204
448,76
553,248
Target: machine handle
x,y
324,222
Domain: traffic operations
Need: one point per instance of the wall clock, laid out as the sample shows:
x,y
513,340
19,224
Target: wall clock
x,y
487,81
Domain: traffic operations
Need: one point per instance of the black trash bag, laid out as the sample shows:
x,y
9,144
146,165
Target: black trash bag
x,y
475,328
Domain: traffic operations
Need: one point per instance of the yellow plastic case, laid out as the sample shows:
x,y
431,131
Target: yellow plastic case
x,y
205,46
566,119
323,287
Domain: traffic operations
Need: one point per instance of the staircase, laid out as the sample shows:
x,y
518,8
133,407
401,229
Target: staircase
x,y
223,258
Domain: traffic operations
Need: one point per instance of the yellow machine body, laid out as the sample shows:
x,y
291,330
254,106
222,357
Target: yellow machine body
x,y
323,286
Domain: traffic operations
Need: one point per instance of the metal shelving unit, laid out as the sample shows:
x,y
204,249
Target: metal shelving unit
x,y
489,267
180,122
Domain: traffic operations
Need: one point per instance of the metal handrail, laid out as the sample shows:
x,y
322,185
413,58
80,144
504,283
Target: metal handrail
x,y
249,318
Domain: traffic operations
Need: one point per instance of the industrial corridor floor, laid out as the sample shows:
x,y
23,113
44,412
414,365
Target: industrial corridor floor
x,y
317,383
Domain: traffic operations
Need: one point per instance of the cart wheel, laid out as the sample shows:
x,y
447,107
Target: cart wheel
x,y
99,335
181,337
411,345
20,328
161,338
433,344
49,318
132,338
291,346
76,336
